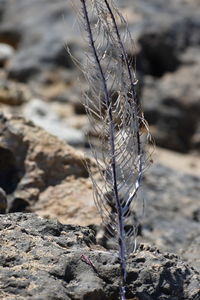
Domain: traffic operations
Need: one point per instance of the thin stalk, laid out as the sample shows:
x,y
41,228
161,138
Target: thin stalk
x,y
122,247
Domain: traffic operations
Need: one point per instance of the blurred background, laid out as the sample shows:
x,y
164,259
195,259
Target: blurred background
x,y
39,80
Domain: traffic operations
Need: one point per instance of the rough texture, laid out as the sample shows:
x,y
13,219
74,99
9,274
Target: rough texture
x,y
171,220
41,174
42,259
34,164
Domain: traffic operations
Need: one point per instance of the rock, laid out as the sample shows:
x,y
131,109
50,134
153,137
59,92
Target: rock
x,y
170,211
172,106
71,202
6,52
50,178
179,162
3,201
13,94
43,114
31,161
171,200
162,46
167,41
43,259
39,48
191,254
23,68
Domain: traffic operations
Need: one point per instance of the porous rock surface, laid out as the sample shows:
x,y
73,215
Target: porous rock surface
x,y
43,259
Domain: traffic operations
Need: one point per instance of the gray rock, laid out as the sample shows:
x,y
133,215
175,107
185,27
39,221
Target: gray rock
x,y
42,114
172,106
191,253
171,204
43,259
163,32
163,44
42,36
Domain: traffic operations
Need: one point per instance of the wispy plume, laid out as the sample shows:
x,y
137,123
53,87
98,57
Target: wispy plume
x,y
115,115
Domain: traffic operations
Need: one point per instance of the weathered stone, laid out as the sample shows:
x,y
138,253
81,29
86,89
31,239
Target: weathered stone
x,y
171,200
32,161
43,259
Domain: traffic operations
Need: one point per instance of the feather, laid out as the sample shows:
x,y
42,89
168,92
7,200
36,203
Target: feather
x,y
115,115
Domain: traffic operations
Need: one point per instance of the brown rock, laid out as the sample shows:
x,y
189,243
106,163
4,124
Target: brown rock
x,y
13,94
74,202
41,173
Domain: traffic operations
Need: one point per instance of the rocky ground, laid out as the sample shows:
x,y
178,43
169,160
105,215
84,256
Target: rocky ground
x,y
43,172
43,259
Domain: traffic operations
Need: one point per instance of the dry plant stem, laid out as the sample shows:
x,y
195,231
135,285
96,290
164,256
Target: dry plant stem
x,y
113,164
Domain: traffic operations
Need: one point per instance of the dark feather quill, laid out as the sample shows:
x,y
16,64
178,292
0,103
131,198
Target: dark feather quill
x,y
116,117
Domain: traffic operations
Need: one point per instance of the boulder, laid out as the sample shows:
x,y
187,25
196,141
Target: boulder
x,y
34,163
